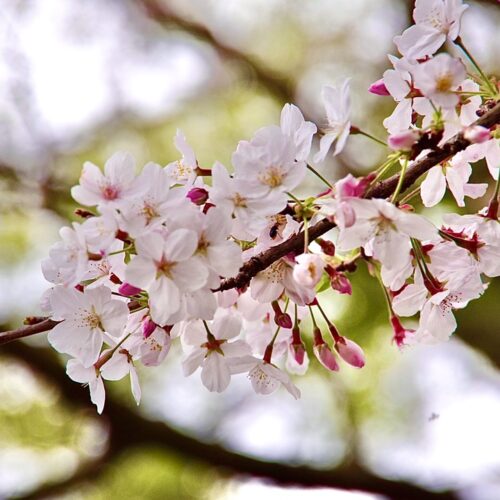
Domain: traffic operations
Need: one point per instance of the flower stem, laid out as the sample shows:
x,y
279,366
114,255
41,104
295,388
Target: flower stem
x,y
400,180
295,199
312,317
485,79
409,196
328,322
319,176
356,130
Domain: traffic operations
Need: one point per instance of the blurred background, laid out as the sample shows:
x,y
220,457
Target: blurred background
x,y
82,79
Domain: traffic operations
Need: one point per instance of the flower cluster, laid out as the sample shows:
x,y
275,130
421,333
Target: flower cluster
x,y
149,263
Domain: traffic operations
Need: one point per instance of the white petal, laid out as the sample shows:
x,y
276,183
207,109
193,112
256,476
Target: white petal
x,y
433,187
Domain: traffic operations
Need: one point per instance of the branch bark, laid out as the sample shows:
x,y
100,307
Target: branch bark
x,y
146,432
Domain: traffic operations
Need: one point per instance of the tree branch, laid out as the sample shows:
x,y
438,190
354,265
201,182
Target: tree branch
x,y
41,325
154,433
295,244
382,189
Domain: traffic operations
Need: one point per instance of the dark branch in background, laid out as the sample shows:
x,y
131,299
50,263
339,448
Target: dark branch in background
x,y
382,189
275,83
128,430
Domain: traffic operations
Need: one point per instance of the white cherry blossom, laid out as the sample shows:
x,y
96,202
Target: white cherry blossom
x,y
337,102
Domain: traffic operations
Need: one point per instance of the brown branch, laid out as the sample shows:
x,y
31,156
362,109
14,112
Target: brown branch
x,y
129,430
277,84
42,325
382,189
295,244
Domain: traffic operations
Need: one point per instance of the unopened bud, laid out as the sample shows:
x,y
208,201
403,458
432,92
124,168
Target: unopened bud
x,y
297,347
326,357
378,88
403,141
298,352
115,279
477,134
350,352
340,282
128,290
281,318
198,196
327,247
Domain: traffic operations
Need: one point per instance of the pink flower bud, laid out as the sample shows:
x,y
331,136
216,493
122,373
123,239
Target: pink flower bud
x,y
378,88
477,134
148,327
341,283
198,195
326,357
327,247
403,141
298,352
128,290
350,187
284,320
351,353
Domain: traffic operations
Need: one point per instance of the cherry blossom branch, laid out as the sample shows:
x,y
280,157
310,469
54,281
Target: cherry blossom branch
x,y
295,244
382,189
155,433
34,326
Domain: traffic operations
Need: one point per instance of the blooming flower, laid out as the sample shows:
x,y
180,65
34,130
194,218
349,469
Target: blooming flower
x,y
435,21
455,174
389,227
265,377
165,268
337,104
118,184
68,259
85,319
183,171
88,375
267,163
299,131
213,351
438,78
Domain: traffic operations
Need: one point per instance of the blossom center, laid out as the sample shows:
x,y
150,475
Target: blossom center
x,y
444,82
276,271
182,171
239,201
91,319
149,212
272,177
110,192
165,267
203,244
